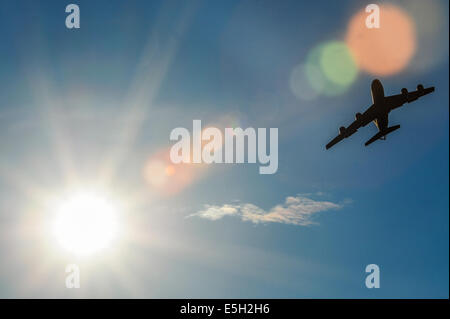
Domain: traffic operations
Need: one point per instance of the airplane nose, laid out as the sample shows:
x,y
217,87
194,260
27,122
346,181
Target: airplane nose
x,y
376,84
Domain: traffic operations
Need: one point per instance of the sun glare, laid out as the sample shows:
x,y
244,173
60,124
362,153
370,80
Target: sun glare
x,y
85,223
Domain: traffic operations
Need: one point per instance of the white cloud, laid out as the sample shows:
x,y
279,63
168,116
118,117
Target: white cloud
x,y
297,210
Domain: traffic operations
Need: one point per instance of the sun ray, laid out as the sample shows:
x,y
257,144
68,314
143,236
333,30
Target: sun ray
x,y
151,71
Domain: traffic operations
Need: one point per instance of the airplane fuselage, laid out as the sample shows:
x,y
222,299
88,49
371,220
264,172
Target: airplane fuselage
x,y
379,108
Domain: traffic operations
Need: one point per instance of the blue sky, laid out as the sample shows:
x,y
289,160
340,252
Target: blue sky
x,y
102,100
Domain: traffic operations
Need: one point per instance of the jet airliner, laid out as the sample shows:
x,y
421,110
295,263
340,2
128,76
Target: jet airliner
x,y
378,112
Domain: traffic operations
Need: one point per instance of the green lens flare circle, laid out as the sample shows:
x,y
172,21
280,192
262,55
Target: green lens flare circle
x,y
337,63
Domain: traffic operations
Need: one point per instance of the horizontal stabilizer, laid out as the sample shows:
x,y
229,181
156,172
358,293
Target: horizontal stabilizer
x,y
382,134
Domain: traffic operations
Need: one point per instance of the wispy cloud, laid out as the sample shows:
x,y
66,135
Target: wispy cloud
x,y
296,210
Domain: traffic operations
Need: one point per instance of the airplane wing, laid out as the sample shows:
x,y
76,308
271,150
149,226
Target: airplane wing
x,y
344,132
395,101
334,141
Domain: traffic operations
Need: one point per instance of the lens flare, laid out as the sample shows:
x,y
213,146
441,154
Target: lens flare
x,y
386,50
337,63
300,85
167,179
330,68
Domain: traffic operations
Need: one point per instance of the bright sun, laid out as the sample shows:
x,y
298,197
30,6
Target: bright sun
x,y
85,223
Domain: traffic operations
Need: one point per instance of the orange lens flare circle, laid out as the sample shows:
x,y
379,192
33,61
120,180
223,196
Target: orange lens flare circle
x,y
386,50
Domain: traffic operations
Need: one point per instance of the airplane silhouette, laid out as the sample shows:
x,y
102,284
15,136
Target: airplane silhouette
x,y
378,112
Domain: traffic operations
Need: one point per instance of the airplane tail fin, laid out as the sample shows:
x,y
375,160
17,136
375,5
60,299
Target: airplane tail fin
x,y
382,134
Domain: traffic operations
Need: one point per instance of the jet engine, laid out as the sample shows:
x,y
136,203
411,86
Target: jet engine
x,y
405,92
